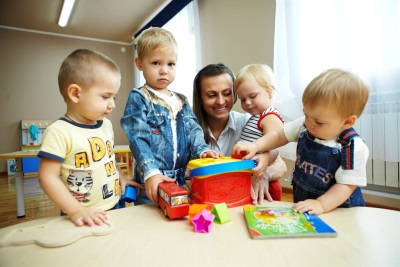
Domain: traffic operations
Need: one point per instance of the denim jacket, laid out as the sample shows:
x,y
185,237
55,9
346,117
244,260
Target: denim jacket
x,y
147,124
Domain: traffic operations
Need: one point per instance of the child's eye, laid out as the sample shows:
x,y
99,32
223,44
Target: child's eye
x,y
171,64
155,63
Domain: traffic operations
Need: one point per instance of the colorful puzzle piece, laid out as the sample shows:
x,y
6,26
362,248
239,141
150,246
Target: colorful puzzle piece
x,y
221,213
57,232
130,194
202,222
196,209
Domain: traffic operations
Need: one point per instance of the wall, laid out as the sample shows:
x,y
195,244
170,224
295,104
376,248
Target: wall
x,y
237,32
28,79
30,62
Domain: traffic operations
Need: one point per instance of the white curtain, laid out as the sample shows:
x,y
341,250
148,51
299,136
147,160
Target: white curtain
x,y
184,26
362,36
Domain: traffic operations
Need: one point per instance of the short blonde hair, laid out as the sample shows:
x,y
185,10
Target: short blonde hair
x,y
261,73
339,89
80,67
153,38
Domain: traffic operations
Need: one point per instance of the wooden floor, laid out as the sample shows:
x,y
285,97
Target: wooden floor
x,y
37,204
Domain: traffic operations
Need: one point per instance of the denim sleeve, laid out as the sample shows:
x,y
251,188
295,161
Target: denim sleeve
x,y
134,123
196,135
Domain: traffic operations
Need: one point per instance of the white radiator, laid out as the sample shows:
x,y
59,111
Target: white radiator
x,y
379,126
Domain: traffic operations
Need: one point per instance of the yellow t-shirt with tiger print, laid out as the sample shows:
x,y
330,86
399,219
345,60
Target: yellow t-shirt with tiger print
x,y
88,167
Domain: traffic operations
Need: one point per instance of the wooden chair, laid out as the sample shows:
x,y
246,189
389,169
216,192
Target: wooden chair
x,y
124,162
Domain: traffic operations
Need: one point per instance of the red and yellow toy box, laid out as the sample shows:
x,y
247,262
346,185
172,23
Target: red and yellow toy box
x,y
225,179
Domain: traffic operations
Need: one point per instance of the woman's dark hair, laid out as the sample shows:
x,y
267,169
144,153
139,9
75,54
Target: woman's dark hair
x,y
210,70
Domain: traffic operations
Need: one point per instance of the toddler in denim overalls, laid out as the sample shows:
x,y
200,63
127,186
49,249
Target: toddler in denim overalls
x,y
331,157
316,165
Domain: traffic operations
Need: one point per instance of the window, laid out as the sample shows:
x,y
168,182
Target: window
x,y
362,36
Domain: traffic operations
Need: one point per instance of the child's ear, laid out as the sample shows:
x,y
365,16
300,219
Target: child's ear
x,y
74,92
138,63
349,121
271,92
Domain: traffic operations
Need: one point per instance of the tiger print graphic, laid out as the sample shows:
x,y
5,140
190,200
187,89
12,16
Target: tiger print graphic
x,y
79,184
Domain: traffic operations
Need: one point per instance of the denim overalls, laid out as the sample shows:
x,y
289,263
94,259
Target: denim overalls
x,y
316,165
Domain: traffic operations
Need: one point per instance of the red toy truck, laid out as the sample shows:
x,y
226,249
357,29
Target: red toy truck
x,y
173,200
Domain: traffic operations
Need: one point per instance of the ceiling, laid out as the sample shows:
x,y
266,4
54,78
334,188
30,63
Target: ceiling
x,y
112,20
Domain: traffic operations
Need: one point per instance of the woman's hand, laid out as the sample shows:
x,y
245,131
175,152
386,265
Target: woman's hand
x,y
259,190
211,154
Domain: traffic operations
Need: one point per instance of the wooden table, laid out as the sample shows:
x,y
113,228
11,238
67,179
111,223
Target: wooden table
x,y
144,237
19,183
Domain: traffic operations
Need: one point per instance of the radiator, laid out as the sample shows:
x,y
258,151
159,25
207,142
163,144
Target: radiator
x,y
379,126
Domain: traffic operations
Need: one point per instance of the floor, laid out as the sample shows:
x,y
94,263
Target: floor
x,y
37,204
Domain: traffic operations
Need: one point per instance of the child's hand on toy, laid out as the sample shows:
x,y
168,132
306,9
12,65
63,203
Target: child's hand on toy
x,y
151,185
123,182
261,165
238,156
312,206
259,189
88,216
211,154
249,148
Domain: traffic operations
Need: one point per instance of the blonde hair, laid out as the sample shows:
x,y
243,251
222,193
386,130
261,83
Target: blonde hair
x,y
261,73
80,68
153,38
342,90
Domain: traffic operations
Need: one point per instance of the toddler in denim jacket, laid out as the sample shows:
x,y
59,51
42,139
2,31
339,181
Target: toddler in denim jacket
x,y
162,130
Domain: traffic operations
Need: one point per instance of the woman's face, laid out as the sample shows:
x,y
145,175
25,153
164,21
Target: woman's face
x,y
216,95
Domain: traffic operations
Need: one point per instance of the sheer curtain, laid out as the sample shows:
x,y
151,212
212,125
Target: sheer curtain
x,y
184,26
362,36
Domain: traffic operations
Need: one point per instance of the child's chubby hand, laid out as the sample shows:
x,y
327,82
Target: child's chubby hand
x,y
249,148
123,182
212,154
261,165
151,185
89,217
312,206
